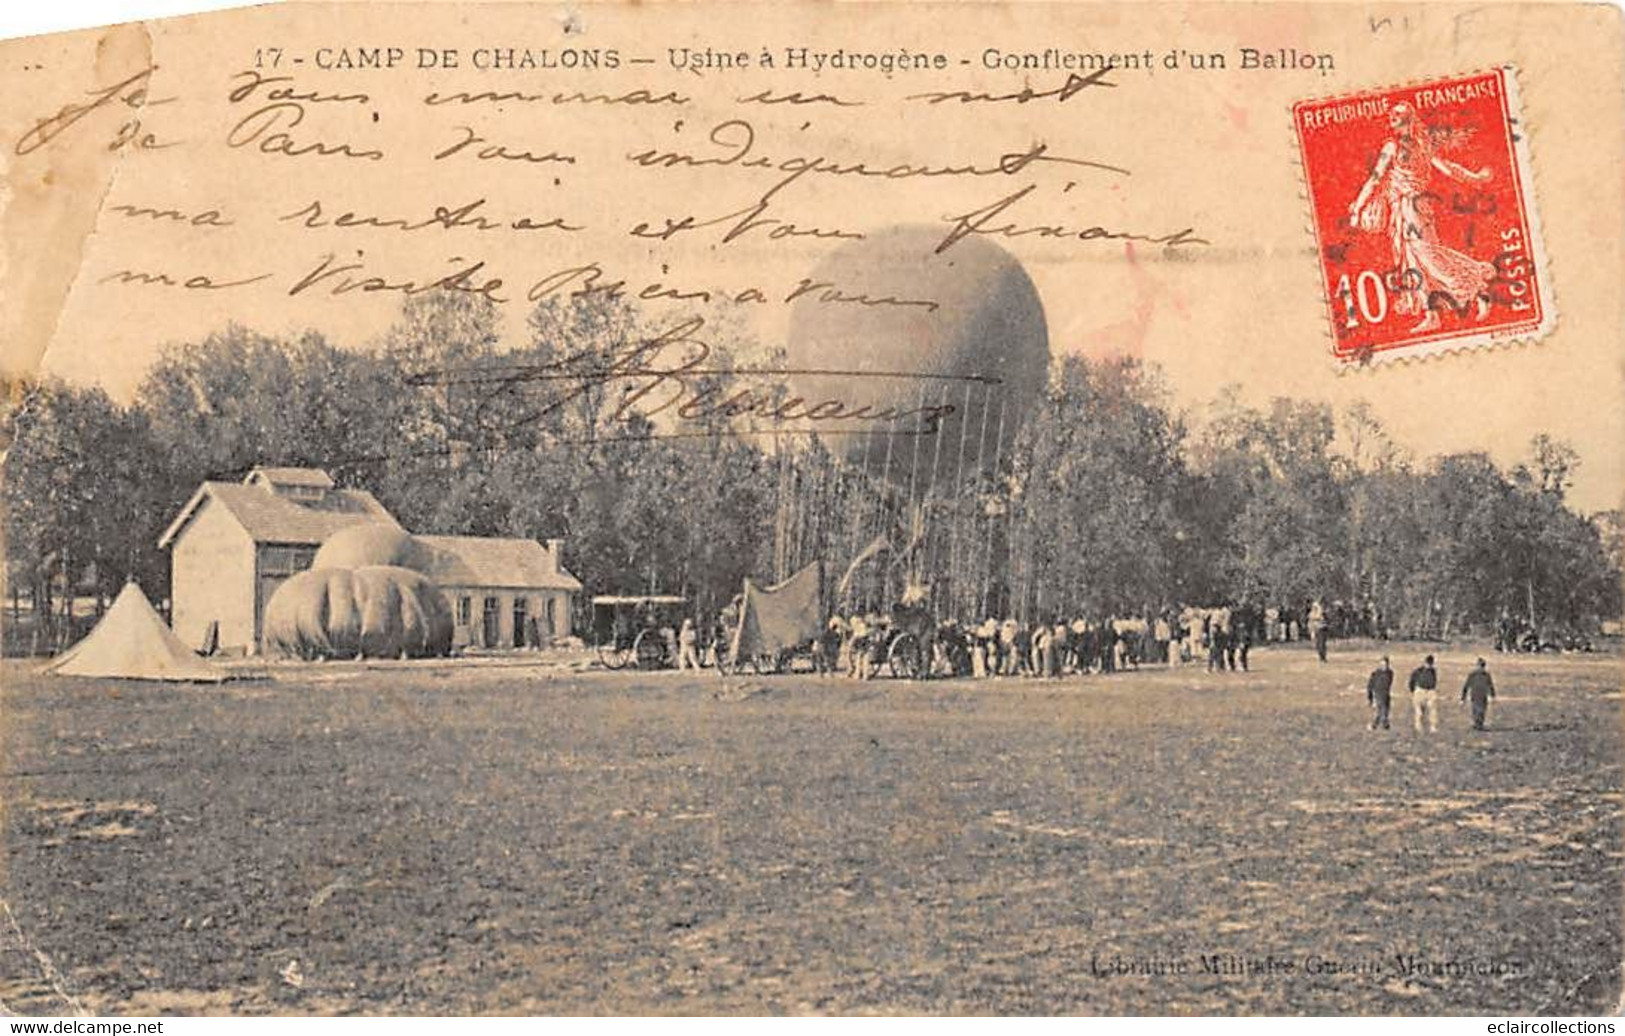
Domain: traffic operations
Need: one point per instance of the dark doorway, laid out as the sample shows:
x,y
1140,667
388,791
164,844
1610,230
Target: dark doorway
x,y
491,623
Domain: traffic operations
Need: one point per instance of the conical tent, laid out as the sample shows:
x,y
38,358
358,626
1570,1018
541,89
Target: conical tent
x,y
132,642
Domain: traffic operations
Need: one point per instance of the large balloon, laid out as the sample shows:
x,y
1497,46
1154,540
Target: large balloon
x,y
377,611
986,322
372,543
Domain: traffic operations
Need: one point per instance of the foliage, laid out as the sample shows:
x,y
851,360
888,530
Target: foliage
x,y
74,483
1096,474
1106,503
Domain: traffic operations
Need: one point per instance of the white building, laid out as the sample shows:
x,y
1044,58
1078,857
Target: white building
x,y
234,543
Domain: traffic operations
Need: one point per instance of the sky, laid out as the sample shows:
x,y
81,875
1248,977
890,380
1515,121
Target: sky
x,y
1210,151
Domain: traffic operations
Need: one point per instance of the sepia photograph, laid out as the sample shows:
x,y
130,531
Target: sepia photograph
x,y
910,509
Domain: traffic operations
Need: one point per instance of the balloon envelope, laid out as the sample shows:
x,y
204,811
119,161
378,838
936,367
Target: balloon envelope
x,y
378,611
372,543
979,349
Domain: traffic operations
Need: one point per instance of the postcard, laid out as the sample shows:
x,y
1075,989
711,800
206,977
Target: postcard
x,y
983,508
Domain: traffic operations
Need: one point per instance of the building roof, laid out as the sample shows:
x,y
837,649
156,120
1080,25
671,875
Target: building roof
x,y
270,518
620,599
482,561
312,477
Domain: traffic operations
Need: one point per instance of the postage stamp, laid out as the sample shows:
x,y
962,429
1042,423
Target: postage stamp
x,y
1422,205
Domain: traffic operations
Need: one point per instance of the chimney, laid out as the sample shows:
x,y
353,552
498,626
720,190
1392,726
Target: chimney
x,y
555,548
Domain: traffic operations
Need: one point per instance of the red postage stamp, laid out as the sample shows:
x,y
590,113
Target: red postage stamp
x,y
1427,237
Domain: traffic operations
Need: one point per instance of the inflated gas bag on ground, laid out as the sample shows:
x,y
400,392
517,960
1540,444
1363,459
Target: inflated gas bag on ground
x,y
375,611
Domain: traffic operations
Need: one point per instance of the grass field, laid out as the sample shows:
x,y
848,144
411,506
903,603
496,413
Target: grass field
x,y
444,839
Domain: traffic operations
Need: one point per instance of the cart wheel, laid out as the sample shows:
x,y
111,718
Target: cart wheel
x,y
904,657
649,650
612,657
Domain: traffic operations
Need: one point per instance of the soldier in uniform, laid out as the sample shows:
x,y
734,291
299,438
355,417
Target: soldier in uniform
x,y
1230,628
1423,685
1479,689
1317,626
1378,693
1215,641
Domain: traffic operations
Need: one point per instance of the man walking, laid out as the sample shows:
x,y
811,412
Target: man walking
x,y
1214,639
1424,688
1378,693
1480,689
688,642
1230,629
1317,625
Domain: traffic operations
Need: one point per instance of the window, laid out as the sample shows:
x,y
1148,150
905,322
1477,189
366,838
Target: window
x,y
521,613
285,560
465,610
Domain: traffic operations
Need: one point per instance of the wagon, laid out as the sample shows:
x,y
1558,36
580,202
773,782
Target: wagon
x,y
910,636
637,631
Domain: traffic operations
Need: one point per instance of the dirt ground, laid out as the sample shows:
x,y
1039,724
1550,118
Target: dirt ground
x,y
526,840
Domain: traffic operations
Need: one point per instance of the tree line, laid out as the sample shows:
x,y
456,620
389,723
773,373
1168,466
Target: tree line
x,y
1109,501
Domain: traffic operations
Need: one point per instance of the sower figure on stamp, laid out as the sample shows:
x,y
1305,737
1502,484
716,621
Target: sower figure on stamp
x,y
1424,684
1378,693
1425,266
1479,688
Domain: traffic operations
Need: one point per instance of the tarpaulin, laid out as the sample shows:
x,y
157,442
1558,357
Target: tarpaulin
x,y
777,618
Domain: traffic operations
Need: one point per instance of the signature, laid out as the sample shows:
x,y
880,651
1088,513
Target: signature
x,y
671,373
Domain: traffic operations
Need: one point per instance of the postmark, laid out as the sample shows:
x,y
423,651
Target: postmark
x,y
1423,215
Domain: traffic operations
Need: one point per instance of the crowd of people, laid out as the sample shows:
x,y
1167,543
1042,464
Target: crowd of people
x,y
1219,638
1515,633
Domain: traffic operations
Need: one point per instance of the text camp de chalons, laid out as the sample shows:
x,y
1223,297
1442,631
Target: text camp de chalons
x,y
800,58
